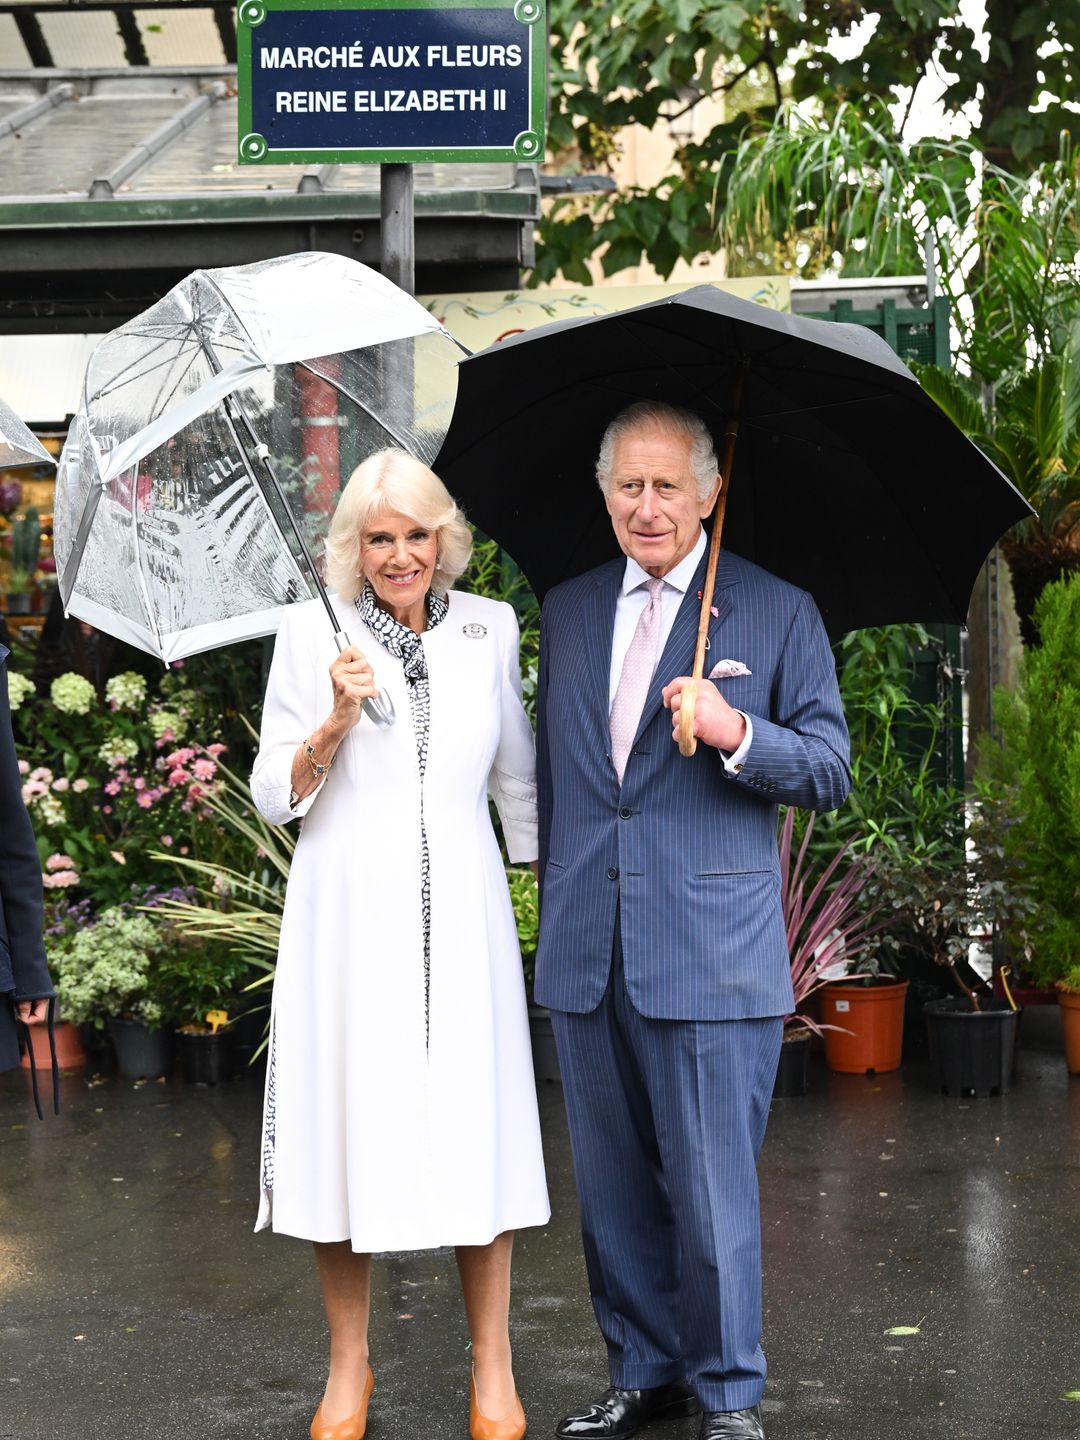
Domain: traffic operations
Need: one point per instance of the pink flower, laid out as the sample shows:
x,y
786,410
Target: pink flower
x,y
80,785
122,775
62,877
204,769
194,791
156,793
216,749
167,738
144,800
24,767
32,789
112,787
181,756
166,840
178,776
140,783
59,862
183,849
106,809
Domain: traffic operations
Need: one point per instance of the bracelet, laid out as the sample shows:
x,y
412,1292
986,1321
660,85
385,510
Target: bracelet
x,y
316,769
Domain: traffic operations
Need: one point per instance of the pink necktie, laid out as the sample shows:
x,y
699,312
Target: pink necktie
x,y
634,679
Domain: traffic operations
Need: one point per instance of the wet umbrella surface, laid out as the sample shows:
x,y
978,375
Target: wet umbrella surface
x,y
848,480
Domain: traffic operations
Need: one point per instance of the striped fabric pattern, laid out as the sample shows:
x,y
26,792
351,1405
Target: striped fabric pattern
x,y
686,850
667,1119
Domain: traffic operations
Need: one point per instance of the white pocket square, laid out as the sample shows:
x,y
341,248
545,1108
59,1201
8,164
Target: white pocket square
x,y
725,669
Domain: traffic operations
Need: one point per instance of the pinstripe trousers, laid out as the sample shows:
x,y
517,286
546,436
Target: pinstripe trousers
x,y
667,1119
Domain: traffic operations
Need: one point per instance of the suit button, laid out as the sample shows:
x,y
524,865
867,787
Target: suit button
x,y
625,813
612,873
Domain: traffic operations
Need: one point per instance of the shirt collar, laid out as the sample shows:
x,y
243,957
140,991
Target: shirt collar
x,y
679,578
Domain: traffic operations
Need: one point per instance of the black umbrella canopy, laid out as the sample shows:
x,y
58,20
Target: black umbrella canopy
x,y
848,481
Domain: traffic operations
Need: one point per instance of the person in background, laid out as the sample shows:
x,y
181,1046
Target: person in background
x,y
27,996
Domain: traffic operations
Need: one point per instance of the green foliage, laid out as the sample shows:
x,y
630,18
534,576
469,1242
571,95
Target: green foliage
x,y
903,814
25,545
1037,772
109,969
110,778
236,910
655,59
525,898
1032,433
493,574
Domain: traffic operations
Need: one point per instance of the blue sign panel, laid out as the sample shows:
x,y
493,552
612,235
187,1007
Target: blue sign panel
x,y
389,80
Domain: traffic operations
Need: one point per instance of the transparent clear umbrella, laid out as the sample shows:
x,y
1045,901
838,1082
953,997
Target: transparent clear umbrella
x,y
197,482
19,445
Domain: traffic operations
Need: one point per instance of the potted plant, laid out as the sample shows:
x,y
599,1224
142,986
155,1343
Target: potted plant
x,y
25,544
525,898
1035,768
828,931
64,919
106,977
199,977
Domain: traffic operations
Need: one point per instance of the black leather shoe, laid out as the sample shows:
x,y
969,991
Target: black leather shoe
x,y
620,1413
732,1425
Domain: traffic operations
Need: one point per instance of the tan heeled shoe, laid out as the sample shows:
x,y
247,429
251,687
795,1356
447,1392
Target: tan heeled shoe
x,y
351,1429
481,1428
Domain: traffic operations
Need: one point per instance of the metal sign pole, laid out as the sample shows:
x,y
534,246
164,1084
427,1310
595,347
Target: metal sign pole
x,y
398,238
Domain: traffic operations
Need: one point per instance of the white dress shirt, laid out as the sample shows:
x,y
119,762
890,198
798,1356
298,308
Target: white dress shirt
x,y
629,607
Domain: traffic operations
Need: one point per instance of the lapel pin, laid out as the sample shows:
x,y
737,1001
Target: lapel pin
x,y
474,631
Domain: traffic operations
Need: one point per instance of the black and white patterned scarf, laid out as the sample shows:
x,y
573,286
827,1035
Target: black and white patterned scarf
x,y
408,647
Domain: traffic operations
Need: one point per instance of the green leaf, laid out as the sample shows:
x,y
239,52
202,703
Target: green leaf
x,y
1071,1395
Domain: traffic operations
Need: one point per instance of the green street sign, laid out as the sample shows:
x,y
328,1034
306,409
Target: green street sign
x,y
391,81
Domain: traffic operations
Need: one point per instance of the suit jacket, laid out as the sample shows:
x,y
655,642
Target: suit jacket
x,y
23,973
686,850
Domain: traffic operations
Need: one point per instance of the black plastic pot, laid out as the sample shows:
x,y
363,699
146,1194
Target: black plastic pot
x,y
971,1051
793,1069
141,1053
248,1030
204,1059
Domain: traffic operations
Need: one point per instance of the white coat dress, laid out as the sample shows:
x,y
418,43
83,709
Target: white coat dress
x,y
390,1123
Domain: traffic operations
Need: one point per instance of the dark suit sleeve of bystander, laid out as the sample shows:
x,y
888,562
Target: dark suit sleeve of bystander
x,y
23,971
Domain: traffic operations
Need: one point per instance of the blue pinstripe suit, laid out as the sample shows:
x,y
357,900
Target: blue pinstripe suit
x,y
661,916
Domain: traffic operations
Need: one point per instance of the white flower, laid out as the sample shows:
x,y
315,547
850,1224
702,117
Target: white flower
x,y
72,695
117,748
126,691
19,689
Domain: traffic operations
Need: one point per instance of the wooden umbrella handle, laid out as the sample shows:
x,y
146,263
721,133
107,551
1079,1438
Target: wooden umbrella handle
x,y
688,697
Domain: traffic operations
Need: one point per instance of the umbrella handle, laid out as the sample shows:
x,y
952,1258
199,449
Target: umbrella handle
x,y
687,702
379,708
688,695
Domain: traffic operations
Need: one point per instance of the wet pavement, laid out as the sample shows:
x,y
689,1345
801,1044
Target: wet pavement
x,y
135,1301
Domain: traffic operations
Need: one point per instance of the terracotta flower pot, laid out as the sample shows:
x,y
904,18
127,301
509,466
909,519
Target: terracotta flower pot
x,y
70,1052
1070,1028
874,1016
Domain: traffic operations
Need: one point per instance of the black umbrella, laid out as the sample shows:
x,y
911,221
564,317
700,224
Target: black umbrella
x,y
848,479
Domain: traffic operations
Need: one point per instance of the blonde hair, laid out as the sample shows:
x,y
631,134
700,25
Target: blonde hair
x,y
394,480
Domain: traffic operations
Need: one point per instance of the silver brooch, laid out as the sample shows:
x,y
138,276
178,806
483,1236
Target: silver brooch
x,y
474,632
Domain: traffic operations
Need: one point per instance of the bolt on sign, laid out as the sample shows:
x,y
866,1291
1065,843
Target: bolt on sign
x,y
390,81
